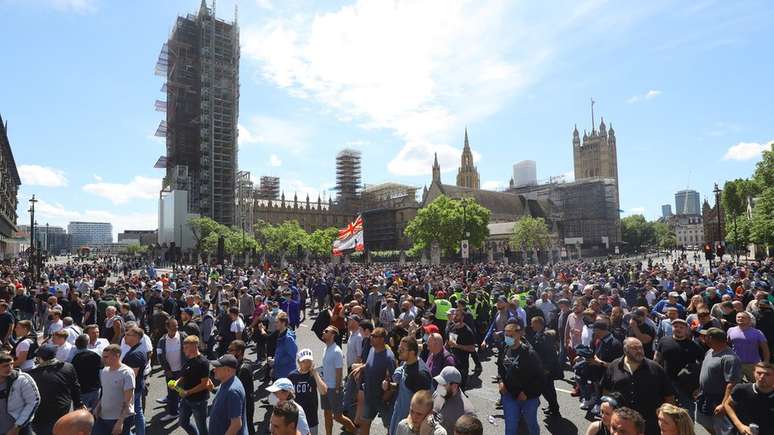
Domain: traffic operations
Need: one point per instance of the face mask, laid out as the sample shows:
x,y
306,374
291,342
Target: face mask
x,y
273,399
509,341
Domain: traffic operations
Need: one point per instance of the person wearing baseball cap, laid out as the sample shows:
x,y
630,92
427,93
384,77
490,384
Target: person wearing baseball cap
x,y
448,401
721,369
283,390
681,356
227,414
307,382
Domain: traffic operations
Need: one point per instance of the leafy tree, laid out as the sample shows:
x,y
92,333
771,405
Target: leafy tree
x,y
284,238
136,248
637,232
734,201
764,170
445,220
762,224
665,237
237,243
530,234
206,232
320,242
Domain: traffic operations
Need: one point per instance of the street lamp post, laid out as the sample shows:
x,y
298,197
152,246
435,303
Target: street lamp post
x,y
33,261
465,233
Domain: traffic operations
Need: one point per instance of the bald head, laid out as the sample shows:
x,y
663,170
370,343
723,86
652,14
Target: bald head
x,y
78,422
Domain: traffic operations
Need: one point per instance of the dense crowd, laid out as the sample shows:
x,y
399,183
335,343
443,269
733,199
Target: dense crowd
x,y
650,347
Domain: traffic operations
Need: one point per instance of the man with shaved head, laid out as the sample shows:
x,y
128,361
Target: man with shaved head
x,y
78,422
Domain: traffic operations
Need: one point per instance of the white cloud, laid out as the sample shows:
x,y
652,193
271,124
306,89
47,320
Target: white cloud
x,y
35,175
275,132
295,186
747,150
98,178
138,188
388,65
274,160
651,94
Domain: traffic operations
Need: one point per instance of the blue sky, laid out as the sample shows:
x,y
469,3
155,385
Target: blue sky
x,y
686,85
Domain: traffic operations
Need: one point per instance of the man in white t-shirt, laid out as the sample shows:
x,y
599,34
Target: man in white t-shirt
x,y
237,324
22,359
96,344
64,348
56,323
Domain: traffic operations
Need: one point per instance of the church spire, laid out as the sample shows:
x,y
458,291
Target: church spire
x,y
467,145
436,170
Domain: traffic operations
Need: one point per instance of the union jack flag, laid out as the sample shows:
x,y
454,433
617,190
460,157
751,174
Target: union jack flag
x,y
351,229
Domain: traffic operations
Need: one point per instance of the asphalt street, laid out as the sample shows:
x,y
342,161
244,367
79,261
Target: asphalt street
x,y
482,392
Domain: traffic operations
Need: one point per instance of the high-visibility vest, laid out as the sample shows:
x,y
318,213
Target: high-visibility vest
x,y
442,307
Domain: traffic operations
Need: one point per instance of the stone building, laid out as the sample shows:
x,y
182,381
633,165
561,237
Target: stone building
x,y
9,189
596,156
467,175
710,218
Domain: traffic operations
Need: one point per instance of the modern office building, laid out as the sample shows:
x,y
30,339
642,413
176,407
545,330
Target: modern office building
x,y
666,211
144,237
200,62
89,233
687,202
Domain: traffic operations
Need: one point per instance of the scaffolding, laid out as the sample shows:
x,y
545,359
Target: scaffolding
x,y
348,175
269,188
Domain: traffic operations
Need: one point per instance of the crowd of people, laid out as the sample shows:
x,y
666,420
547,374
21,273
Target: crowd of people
x,y
651,348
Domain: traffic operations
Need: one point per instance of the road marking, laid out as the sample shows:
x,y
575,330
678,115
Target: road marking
x,y
564,391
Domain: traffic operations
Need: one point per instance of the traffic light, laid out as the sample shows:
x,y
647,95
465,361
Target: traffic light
x,y
721,250
708,254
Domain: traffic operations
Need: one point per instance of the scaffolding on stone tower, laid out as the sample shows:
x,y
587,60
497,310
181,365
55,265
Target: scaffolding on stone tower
x,y
348,181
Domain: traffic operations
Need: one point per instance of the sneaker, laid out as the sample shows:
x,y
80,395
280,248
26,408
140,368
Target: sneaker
x,y
168,417
586,405
595,410
163,400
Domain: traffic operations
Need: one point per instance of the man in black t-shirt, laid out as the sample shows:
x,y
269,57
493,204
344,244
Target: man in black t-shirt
x,y
753,403
641,330
6,323
245,375
681,358
87,366
136,359
195,384
461,343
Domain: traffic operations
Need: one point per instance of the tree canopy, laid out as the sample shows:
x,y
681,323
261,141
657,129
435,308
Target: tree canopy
x,y
446,220
530,234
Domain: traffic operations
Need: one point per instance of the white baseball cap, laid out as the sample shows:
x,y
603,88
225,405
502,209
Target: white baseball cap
x,y
305,354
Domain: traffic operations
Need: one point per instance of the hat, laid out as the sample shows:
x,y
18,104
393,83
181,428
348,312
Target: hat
x,y
188,311
281,384
431,329
47,351
449,375
678,320
227,360
440,294
305,354
716,333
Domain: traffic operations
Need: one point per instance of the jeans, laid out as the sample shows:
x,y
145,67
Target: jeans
x,y
105,427
90,399
173,399
139,417
685,400
197,409
515,410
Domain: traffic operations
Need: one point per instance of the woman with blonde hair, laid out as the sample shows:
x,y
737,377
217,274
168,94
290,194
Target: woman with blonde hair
x,y
673,420
421,420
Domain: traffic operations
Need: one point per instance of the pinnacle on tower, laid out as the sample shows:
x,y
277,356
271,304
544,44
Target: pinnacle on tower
x,y
467,145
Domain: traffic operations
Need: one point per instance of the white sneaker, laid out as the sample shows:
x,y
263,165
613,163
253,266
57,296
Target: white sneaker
x,y
586,405
168,417
163,400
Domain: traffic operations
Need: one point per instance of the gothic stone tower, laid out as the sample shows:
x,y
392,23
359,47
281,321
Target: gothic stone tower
x,y
596,156
467,176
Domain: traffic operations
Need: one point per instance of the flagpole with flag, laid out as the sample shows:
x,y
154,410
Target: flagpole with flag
x,y
350,238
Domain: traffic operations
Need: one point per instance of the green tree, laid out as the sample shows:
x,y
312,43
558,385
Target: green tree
x,y
445,220
764,170
637,232
206,232
238,243
285,238
530,234
665,237
320,242
762,224
136,248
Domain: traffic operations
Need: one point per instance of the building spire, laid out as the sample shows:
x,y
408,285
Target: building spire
x,y
467,145
436,170
592,116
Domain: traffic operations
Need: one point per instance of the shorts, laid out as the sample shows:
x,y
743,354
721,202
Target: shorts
x,y
719,423
373,407
332,401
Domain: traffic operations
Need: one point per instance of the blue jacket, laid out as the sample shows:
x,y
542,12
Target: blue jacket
x,y
293,308
285,355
